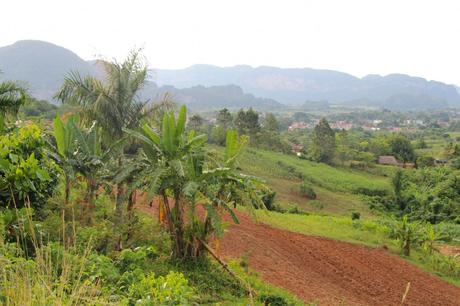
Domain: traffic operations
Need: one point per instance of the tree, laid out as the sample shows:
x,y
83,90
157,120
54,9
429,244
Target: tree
x,y
12,96
401,148
323,146
271,123
177,169
247,122
397,184
113,103
195,122
225,119
343,150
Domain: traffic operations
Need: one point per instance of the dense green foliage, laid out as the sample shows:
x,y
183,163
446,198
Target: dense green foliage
x,y
26,172
323,147
429,194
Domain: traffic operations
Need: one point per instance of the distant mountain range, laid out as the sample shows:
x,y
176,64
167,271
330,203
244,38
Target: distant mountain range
x,y
42,67
295,86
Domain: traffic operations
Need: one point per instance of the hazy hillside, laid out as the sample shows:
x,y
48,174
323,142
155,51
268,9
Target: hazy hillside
x,y
43,66
295,86
40,64
213,97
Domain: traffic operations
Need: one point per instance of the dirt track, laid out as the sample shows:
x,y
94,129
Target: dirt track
x,y
330,272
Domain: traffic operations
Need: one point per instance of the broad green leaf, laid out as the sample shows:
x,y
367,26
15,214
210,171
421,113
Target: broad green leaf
x,y
59,135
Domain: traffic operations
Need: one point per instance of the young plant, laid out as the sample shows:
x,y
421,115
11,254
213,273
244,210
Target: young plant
x,y
407,233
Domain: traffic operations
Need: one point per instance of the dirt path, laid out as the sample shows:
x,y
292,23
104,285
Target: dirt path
x,y
330,272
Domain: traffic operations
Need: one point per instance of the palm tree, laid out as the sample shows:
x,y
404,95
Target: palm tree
x,y
113,103
12,96
177,168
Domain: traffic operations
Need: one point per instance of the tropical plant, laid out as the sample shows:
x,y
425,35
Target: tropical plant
x,y
26,172
430,236
113,103
80,151
407,233
64,152
12,96
172,289
177,168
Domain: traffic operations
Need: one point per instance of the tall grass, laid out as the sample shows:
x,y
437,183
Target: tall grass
x,y
53,275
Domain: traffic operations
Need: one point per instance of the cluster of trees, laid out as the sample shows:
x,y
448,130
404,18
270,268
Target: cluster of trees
x,y
120,142
263,132
429,194
339,147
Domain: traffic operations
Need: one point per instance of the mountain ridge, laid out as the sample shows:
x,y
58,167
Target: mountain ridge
x,y
43,66
297,85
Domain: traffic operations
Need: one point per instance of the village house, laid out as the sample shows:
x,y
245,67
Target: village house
x,y
298,126
388,160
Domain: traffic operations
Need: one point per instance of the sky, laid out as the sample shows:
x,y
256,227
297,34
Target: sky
x,y
419,38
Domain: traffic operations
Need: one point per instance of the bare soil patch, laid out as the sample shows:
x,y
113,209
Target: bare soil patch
x,y
331,272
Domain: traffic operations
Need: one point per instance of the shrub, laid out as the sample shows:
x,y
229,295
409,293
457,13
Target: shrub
x,y
172,289
425,161
371,191
355,215
297,211
138,258
268,198
26,173
307,191
273,300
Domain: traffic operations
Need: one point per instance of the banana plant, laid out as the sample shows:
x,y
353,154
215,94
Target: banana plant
x,y
178,169
64,152
79,152
407,233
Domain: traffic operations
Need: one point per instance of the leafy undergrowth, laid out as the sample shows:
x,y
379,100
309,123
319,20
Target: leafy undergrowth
x,y
39,267
367,232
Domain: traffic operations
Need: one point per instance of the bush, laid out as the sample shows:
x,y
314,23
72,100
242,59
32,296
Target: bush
x,y
297,211
273,300
307,191
355,215
425,161
371,191
172,289
26,172
268,198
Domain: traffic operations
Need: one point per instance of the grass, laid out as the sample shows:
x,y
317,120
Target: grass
x,y
336,188
331,178
339,228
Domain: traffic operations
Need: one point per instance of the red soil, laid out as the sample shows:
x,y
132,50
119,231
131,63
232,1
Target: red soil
x,y
330,272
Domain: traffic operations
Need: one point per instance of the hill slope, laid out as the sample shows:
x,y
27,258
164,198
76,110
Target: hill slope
x,y
43,66
295,86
